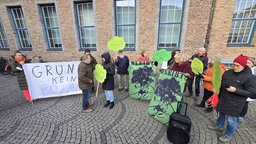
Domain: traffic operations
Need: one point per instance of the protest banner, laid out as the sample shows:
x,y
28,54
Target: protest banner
x,y
162,55
52,79
142,80
169,91
197,66
100,75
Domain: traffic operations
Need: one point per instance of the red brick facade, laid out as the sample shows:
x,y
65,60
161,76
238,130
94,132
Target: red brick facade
x,y
194,28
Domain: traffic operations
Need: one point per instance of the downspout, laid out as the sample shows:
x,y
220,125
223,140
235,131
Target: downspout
x,y
209,25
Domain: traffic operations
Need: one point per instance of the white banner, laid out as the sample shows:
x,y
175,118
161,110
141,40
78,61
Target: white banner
x,y
52,79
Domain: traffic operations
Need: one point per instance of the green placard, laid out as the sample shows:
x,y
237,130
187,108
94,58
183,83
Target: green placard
x,y
169,91
216,77
161,55
100,73
142,80
197,66
116,43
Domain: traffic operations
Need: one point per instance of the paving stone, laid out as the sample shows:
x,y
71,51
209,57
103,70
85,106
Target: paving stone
x,y
60,120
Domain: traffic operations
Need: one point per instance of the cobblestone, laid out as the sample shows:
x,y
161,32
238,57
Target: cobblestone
x,y
60,120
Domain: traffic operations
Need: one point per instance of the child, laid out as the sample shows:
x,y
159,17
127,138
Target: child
x,y
108,84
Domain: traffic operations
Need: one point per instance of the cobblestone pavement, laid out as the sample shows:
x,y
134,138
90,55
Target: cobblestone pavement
x,y
60,120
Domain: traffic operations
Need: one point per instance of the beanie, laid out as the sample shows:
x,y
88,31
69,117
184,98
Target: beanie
x,y
241,59
252,59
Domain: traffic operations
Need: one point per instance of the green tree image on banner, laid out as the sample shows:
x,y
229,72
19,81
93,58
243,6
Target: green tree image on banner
x,y
161,55
216,77
142,80
197,66
169,91
100,73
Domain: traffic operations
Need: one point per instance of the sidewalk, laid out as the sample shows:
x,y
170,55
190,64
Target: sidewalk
x,y
60,120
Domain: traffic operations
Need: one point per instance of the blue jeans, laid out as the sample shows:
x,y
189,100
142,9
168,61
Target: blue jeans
x,y
109,95
232,123
86,96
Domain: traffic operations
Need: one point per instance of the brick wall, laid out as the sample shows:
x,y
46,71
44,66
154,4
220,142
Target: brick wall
x,y
194,29
220,32
198,19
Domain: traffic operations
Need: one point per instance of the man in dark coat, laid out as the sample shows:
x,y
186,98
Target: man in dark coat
x,y
201,55
85,81
93,63
108,84
122,63
237,85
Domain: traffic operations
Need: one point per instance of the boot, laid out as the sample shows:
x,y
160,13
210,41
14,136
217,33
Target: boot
x,y
112,104
106,105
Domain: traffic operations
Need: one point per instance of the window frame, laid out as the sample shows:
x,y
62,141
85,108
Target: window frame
x,y
170,23
251,34
6,48
42,6
21,48
126,25
80,28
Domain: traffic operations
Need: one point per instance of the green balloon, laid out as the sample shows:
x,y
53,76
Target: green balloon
x,y
162,55
197,66
116,43
100,73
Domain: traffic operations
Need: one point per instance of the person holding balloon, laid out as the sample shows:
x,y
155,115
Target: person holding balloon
x,y
108,84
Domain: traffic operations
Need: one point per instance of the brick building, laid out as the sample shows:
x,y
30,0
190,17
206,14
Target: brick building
x,y
60,30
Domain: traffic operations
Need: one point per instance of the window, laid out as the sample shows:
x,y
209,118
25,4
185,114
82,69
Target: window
x,y
125,15
21,28
4,45
243,23
170,22
86,26
51,27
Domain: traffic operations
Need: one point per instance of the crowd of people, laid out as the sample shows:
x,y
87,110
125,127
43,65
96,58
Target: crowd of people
x,y
238,85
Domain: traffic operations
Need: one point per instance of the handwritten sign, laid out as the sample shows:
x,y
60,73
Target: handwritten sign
x,y
100,73
52,79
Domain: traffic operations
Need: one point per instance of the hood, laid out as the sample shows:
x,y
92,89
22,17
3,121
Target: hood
x,y
106,56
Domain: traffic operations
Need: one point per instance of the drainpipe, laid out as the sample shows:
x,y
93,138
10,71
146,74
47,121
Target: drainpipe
x,y
206,43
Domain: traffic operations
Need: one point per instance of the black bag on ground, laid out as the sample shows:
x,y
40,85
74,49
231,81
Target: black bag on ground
x,y
178,131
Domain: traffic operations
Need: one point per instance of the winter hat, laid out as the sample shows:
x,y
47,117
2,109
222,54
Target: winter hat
x,y
241,59
252,59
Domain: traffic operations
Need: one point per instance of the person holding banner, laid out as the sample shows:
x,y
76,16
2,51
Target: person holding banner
x,y
182,65
19,60
122,63
108,84
236,86
144,56
85,81
171,61
201,55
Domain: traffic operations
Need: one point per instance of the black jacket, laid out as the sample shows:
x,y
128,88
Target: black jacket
x,y
232,103
108,84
